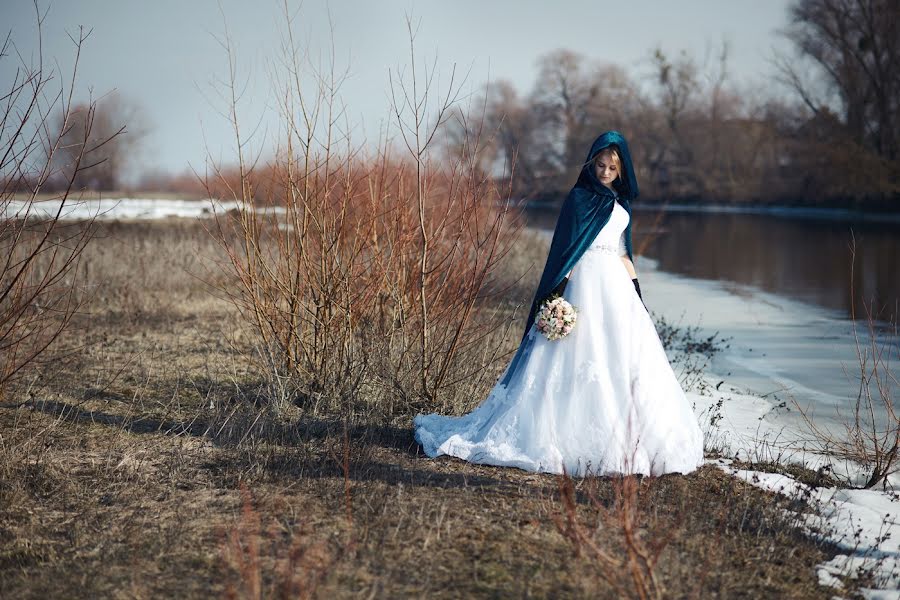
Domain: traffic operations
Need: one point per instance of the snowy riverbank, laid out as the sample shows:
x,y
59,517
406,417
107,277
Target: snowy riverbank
x,y
863,523
781,351
784,350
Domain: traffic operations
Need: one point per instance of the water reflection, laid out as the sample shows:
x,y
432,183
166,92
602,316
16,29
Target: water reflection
x,y
805,259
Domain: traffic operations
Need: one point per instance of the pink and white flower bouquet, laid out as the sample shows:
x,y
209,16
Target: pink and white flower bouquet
x,y
555,318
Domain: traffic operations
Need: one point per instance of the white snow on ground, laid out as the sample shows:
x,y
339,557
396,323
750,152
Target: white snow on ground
x,y
118,208
784,350
864,523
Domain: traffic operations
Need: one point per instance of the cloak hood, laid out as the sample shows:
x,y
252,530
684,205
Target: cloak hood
x,y
585,211
626,184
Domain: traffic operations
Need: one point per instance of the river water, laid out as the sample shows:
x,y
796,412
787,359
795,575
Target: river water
x,y
780,287
814,260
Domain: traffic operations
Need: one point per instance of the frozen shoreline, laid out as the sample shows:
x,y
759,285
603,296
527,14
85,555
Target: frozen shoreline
x,y
864,524
783,351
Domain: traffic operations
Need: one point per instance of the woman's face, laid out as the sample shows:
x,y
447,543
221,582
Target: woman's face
x,y
605,169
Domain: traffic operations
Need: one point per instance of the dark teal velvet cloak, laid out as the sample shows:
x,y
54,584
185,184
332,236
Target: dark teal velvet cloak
x,y
585,211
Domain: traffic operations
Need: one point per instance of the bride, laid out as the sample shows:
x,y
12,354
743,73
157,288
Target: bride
x,y
602,399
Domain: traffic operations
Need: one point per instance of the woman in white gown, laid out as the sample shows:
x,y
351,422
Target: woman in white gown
x,y
603,399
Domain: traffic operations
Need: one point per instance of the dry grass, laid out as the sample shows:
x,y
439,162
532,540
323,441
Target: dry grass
x,y
149,465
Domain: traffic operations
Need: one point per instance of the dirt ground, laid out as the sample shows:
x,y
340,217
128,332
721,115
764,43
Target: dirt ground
x,y
138,465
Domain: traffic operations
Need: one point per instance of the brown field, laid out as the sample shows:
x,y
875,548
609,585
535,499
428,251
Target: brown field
x,y
142,462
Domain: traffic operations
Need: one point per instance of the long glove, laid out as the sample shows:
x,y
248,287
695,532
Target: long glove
x,y
558,290
637,288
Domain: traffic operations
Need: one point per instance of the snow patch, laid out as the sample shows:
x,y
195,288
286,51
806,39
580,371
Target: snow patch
x,y
119,208
864,524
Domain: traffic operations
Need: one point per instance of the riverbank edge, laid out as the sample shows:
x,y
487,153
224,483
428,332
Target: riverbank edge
x,y
787,211
779,210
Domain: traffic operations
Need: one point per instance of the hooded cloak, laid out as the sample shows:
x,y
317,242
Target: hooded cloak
x,y
585,211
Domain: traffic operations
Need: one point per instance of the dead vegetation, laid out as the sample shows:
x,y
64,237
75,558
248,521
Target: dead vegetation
x,y
40,279
869,433
363,274
122,470
246,431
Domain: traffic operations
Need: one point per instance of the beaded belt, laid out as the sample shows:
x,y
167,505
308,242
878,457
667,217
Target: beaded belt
x,y
604,249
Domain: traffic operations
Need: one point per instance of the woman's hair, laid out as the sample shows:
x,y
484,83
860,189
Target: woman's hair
x,y
613,152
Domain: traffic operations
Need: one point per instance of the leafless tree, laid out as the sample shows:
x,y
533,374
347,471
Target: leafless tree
x,y
40,288
506,123
871,428
112,142
678,82
574,99
852,47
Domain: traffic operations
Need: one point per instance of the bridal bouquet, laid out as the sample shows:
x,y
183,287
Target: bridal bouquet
x,y
555,318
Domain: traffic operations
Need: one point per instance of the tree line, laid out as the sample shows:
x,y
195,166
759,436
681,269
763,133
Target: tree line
x,y
826,134
821,130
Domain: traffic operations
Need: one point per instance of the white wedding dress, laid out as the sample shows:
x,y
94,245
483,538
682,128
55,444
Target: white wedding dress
x,y
601,400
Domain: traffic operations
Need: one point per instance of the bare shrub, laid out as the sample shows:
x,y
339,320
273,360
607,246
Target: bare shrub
x,y
360,272
689,351
248,552
39,268
630,569
871,430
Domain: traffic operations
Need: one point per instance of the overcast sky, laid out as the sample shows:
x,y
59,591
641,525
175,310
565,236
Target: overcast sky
x,y
163,55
